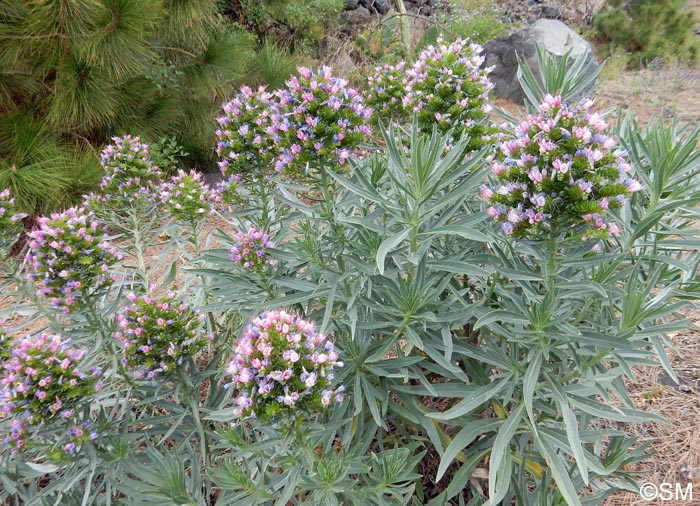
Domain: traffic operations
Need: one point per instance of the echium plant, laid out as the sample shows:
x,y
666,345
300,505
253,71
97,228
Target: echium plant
x,y
186,197
246,136
282,366
129,170
43,381
157,332
315,121
327,122
387,90
250,249
69,258
10,223
447,87
560,174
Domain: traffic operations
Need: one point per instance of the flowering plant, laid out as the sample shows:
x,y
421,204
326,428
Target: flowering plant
x,y
446,86
282,365
327,121
250,249
69,258
10,222
43,380
129,169
187,197
156,333
316,120
559,172
387,90
247,138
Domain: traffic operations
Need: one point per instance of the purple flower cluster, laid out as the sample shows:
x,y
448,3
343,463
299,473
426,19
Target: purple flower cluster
x,y
316,120
156,333
187,197
227,191
282,365
43,381
250,249
77,435
10,223
248,134
68,257
129,170
445,86
560,171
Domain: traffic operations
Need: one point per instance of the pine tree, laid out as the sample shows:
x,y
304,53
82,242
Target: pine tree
x,y
81,71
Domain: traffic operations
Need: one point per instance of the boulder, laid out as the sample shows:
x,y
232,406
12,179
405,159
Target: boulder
x,y
379,6
355,20
550,34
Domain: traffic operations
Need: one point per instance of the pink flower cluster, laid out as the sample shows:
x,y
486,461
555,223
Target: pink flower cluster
x,y
316,120
282,366
387,91
43,381
445,86
77,435
10,223
247,138
250,249
68,257
560,171
156,333
129,169
187,197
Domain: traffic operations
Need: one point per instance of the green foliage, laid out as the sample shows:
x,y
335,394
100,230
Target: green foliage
x,y
273,64
649,29
478,21
34,165
85,70
167,155
300,24
573,80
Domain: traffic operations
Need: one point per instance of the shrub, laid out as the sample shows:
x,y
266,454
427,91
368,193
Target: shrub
x,y
649,29
299,23
463,347
478,21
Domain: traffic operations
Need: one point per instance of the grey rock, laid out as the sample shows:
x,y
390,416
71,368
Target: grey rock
x,y
552,10
381,6
351,5
354,20
549,34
